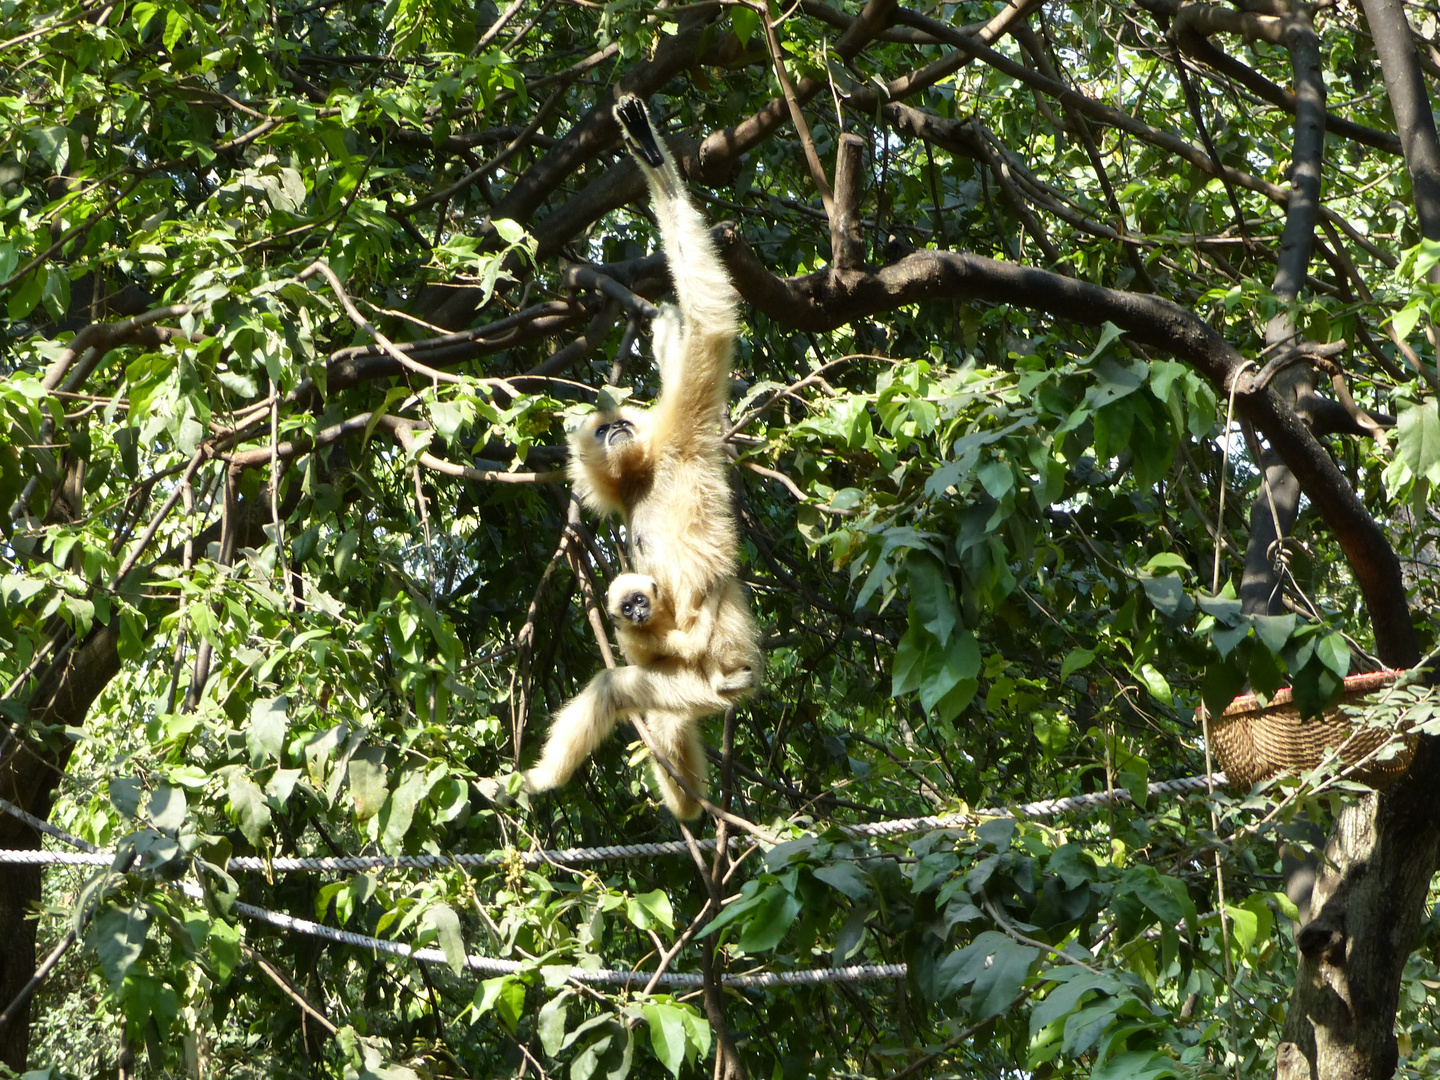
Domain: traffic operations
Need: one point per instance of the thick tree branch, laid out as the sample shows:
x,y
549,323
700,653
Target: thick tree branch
x,y
1303,209
1413,111
1194,44
828,299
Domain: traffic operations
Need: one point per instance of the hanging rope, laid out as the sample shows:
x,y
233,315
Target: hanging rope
x,y
89,855
580,855
486,965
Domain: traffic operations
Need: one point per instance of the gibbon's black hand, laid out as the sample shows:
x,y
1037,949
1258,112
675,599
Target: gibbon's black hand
x,y
639,135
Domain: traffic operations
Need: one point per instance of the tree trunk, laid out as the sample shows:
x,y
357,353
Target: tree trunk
x,y
29,774
1382,854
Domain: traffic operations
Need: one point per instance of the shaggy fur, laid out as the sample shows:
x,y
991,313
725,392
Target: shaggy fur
x,y
682,618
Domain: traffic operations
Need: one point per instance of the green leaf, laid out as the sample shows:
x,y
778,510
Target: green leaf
x,y
772,918
1137,1065
1334,653
53,145
118,936
910,659
177,21
648,909
222,946
450,416
930,599
995,967
505,995
667,1034
944,674
1221,684
1274,631
265,737
446,924
1265,673
167,807
24,295
1113,382
345,551
1417,448
248,804
744,22
550,1024
56,292
846,878
125,794
512,232
399,811
1075,985
366,773
1167,595
1075,660
996,478
1166,560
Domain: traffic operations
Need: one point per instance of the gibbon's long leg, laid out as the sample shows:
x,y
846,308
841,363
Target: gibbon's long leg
x,y
575,732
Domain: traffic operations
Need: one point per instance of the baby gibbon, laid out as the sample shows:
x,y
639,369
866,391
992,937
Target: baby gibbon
x,y
682,618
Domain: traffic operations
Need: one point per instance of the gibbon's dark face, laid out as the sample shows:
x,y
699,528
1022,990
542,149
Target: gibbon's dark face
x,y
614,433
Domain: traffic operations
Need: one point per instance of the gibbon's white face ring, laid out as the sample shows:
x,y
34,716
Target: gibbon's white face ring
x,y
614,433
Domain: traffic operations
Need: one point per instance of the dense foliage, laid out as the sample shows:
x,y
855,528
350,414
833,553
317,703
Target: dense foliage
x,y
289,566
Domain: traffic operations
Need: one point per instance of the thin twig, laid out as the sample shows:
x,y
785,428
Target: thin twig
x,y
289,989
812,157
322,268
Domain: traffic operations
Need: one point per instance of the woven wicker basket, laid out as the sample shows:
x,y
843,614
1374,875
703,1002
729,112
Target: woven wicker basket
x,y
1254,742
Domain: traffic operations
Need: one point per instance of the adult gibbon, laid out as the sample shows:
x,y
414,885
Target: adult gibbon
x,y
682,618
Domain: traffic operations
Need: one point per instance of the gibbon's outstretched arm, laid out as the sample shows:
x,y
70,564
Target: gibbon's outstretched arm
x,y
694,351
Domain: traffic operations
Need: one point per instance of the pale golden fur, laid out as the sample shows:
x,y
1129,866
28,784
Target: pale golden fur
x,y
682,617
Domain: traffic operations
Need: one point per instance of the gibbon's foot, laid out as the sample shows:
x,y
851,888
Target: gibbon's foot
x,y
635,127
736,684
633,597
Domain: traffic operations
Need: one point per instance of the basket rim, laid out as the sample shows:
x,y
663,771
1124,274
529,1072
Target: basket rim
x,y
1362,683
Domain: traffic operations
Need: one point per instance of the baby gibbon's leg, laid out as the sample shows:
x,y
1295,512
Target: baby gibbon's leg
x,y
678,738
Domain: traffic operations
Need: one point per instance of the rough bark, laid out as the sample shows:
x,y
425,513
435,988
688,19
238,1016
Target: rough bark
x,y
1383,852
1411,104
